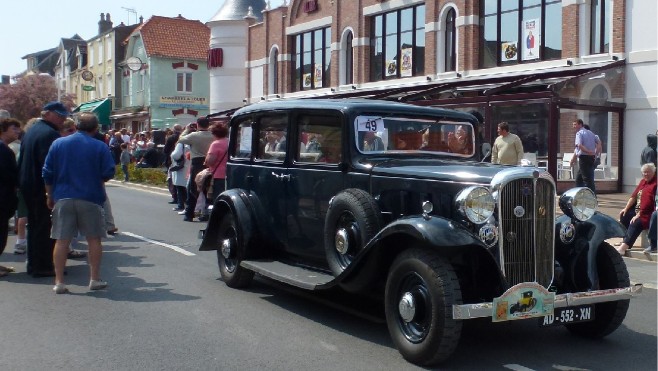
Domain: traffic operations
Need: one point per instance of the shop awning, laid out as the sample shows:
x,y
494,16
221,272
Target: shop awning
x,y
101,107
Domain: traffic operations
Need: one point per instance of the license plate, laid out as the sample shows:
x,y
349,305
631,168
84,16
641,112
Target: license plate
x,y
563,316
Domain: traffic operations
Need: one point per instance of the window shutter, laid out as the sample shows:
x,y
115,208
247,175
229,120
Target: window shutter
x,y
215,57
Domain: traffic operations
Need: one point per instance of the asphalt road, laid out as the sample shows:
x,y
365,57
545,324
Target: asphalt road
x,y
166,309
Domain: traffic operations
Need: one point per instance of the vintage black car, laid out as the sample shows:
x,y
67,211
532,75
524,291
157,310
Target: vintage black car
x,y
395,200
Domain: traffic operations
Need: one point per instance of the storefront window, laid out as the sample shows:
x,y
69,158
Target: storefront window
x,y
601,123
529,121
398,44
312,60
520,31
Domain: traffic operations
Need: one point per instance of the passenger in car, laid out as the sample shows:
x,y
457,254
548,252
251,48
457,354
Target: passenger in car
x,y
372,142
460,141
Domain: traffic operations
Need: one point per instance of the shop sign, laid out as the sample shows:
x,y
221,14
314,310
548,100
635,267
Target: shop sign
x,y
88,88
184,102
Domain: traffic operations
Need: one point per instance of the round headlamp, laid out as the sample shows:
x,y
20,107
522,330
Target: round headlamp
x,y
476,204
579,203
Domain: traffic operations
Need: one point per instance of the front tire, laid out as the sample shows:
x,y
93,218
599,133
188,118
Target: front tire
x,y
609,315
230,253
420,291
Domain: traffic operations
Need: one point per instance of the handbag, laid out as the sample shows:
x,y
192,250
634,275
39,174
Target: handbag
x,y
211,184
178,164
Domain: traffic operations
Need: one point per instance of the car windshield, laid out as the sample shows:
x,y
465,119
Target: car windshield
x,y
403,134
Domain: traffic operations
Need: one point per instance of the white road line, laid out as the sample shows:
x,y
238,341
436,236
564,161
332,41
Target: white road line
x,y
172,247
569,368
516,367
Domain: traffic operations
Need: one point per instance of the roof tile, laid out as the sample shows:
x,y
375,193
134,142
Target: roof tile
x,y
175,37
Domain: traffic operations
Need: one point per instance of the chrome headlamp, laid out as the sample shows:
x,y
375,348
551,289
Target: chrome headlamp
x,y
476,204
579,203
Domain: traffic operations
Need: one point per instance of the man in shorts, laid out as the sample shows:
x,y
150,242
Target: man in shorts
x,y
74,174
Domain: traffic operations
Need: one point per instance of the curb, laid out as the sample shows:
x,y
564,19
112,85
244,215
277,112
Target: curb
x,y
636,252
149,187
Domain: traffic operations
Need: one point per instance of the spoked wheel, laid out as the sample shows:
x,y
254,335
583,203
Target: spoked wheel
x,y
420,291
230,253
608,316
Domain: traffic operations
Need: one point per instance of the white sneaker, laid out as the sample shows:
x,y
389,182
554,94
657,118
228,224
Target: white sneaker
x,y
60,288
97,285
20,248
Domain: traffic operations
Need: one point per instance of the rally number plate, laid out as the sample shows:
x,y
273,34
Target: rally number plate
x,y
563,316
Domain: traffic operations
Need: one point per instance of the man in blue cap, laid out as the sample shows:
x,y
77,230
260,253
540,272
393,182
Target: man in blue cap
x,y
34,148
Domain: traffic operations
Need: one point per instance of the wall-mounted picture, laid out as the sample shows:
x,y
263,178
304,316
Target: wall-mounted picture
x,y
318,75
407,62
391,67
508,51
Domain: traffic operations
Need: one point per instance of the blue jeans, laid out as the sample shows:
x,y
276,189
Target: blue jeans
x,y
653,230
124,168
633,230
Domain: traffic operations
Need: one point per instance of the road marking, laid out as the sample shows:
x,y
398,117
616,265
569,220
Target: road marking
x,y
569,368
172,247
516,367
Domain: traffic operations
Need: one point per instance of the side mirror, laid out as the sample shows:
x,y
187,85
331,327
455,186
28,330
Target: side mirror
x,y
485,149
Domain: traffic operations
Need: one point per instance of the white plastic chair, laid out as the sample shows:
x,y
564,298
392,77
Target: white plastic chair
x,y
531,157
603,167
564,167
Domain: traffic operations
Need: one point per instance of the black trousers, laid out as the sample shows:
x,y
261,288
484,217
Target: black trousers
x,y
39,244
192,193
585,177
4,229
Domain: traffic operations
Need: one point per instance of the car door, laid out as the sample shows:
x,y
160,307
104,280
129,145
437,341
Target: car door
x,y
268,177
316,148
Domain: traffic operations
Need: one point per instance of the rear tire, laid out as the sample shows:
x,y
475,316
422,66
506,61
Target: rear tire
x,y
608,316
420,291
230,252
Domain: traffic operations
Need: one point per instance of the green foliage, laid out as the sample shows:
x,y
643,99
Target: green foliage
x,y
154,176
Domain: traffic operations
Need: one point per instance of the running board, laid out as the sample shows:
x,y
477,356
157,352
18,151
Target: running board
x,y
293,275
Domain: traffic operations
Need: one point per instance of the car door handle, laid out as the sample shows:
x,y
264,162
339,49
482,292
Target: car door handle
x,y
284,177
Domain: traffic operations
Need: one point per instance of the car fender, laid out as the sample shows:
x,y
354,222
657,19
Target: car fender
x,y
443,235
588,236
235,201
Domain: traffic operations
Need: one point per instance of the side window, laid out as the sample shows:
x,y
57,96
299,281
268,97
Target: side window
x,y
320,139
272,137
243,138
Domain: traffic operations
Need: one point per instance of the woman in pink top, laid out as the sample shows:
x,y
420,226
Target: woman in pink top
x,y
216,158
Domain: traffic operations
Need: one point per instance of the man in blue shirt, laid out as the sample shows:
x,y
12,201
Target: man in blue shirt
x,y
76,168
585,151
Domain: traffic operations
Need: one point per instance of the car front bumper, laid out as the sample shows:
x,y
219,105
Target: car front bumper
x,y
479,310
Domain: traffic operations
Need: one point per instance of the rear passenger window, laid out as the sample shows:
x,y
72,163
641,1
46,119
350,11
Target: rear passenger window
x,y
320,139
272,137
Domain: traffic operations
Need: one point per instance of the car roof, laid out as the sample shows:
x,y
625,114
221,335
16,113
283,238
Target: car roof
x,y
346,105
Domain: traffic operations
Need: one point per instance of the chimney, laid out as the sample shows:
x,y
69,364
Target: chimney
x,y
105,24
141,19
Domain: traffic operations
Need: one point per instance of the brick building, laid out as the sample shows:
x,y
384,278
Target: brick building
x,y
537,64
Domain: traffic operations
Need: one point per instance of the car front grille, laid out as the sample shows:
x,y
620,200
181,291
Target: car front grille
x,y
526,214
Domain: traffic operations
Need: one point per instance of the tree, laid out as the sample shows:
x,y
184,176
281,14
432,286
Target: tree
x,y
25,99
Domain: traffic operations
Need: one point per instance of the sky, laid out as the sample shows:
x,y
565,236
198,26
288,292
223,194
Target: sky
x,y
28,26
